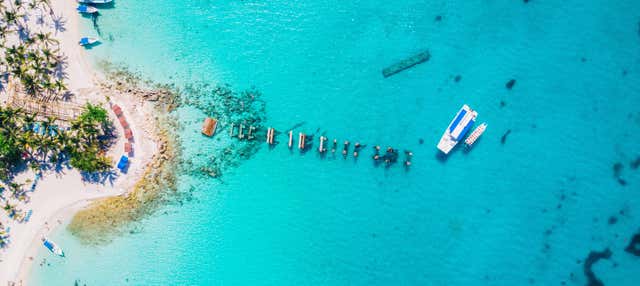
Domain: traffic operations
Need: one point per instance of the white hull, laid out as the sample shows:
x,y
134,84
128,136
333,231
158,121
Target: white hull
x,y
94,1
54,248
458,127
90,41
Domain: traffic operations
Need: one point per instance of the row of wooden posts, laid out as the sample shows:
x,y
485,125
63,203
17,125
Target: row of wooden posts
x,y
389,156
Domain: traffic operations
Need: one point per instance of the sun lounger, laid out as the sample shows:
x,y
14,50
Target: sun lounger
x,y
28,216
128,134
122,164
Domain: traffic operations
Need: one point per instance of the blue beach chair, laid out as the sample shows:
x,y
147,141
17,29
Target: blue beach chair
x,y
28,216
123,163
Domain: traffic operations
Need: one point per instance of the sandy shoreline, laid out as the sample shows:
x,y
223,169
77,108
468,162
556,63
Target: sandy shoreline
x,y
60,195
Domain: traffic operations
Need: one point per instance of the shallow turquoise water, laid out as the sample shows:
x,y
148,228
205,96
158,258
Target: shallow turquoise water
x,y
525,212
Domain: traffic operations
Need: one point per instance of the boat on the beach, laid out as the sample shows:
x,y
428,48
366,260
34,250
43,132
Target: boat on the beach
x,y
458,127
54,248
86,9
475,134
95,1
85,41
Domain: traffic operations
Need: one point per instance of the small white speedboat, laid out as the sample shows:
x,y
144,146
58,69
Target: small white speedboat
x,y
84,9
94,1
85,41
54,248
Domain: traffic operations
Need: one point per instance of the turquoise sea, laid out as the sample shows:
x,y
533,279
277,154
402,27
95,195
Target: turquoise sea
x,y
526,211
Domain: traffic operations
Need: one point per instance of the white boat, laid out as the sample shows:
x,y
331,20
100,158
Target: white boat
x,y
54,248
458,127
475,134
94,1
86,41
84,9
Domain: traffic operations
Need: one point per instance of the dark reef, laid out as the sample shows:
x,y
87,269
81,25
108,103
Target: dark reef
x,y
617,173
593,258
635,163
509,85
634,245
503,139
438,18
457,78
612,220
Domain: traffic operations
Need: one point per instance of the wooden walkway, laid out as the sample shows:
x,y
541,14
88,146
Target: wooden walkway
x,y
61,110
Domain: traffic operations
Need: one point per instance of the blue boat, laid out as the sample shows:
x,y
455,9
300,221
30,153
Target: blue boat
x,y
457,129
95,1
85,41
84,9
54,248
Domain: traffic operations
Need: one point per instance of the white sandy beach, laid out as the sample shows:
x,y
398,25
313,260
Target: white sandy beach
x,y
59,195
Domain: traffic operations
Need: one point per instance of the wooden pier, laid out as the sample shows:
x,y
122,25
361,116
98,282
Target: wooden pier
x,y
302,140
389,157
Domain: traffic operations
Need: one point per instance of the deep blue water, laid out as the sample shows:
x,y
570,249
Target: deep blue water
x,y
528,211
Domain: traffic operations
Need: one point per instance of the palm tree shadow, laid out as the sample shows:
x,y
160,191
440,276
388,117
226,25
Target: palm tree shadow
x,y
66,96
100,177
24,34
60,71
59,24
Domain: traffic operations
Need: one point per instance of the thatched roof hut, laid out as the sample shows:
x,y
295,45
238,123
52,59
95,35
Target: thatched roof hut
x,y
209,126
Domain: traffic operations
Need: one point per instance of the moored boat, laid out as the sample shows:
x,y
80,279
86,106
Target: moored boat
x,y
458,127
475,134
86,9
85,41
54,248
95,1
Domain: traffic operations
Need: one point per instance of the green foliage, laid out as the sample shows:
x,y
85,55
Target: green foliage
x,y
83,143
89,161
94,114
34,59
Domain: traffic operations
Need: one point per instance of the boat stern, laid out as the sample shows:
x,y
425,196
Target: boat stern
x,y
446,144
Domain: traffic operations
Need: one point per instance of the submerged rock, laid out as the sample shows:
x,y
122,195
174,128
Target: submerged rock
x,y
635,163
593,258
457,78
438,18
612,220
503,139
617,173
509,85
617,169
634,245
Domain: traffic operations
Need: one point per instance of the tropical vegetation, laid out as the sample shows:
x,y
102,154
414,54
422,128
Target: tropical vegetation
x,y
27,142
32,58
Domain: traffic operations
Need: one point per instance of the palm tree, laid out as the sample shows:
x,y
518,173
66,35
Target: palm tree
x,y
30,84
28,119
60,86
46,39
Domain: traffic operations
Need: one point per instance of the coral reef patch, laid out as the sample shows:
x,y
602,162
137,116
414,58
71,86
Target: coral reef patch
x,y
634,245
593,258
